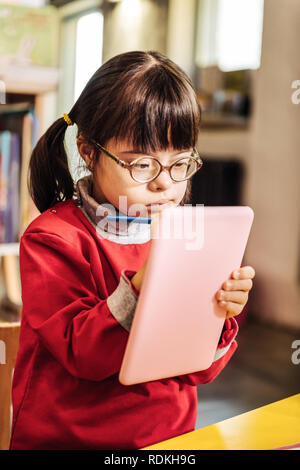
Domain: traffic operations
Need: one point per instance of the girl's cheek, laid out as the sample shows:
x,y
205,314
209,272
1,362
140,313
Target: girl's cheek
x,y
181,192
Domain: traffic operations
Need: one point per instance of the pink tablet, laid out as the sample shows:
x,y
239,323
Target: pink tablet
x,y
177,322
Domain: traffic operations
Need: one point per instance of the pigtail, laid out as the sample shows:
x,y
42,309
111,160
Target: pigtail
x,y
50,180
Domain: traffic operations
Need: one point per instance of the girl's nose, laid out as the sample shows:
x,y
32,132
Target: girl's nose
x,y
163,181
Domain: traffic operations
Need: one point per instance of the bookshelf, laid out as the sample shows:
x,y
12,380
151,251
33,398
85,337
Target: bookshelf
x,y
9,249
29,109
29,76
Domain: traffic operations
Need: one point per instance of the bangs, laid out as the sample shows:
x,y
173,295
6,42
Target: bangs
x,y
157,109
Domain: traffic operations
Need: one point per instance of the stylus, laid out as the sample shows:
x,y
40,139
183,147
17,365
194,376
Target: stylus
x,y
142,220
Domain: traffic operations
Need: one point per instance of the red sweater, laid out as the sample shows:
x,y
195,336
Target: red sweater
x,y
66,392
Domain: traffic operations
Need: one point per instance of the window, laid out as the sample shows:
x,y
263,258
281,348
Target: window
x,y
229,34
80,56
89,37
239,31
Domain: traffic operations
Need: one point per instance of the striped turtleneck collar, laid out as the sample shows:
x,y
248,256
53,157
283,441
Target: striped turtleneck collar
x,y
122,233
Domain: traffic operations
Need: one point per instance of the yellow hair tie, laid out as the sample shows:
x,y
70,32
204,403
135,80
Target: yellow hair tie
x,y
68,120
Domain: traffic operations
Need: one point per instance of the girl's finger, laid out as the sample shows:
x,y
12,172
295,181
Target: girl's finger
x,y
239,297
230,315
232,308
232,284
154,222
246,272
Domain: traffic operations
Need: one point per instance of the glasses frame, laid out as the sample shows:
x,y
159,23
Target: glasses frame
x,y
129,166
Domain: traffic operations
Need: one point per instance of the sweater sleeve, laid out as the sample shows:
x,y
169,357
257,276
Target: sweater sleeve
x,y
122,302
62,306
226,347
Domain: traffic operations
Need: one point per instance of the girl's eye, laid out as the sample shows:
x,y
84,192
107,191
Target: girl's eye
x,y
180,164
141,166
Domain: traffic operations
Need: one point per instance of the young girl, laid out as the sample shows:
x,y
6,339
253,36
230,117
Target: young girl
x,y
81,279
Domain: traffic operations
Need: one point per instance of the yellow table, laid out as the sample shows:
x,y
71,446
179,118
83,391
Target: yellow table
x,y
269,427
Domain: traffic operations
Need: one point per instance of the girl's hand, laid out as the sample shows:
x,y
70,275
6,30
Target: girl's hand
x,y
234,293
137,279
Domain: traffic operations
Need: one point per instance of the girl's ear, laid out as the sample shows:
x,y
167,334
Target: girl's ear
x,y
86,151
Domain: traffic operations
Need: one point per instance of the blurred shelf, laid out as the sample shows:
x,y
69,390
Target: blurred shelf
x,y
13,108
10,317
215,120
30,79
9,249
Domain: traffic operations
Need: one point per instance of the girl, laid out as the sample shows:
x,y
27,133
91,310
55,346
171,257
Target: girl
x,y
81,279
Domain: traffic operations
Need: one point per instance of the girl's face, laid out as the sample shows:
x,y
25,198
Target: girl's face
x,y
110,180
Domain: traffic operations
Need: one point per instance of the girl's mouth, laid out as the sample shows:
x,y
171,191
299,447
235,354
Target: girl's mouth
x,y
157,207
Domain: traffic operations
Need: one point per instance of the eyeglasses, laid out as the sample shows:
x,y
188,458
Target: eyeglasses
x,y
146,169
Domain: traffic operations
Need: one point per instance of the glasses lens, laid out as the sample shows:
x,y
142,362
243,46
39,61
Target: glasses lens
x,y
145,169
184,169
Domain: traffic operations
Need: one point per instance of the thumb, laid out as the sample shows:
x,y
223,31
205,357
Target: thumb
x,y
154,224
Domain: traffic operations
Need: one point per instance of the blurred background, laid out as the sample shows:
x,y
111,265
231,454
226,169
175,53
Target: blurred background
x,y
243,58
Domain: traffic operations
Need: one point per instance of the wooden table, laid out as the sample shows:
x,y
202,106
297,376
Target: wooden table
x,y
269,427
9,343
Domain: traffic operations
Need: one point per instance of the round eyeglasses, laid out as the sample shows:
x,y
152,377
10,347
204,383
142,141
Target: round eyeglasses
x,y
146,169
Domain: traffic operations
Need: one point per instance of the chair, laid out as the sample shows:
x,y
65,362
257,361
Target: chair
x,y
9,343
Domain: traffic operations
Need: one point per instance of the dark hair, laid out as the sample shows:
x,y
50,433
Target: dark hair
x,y
140,96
